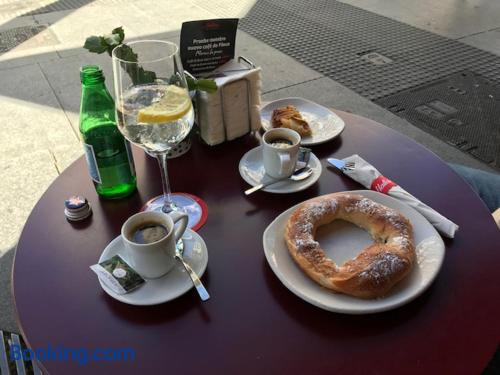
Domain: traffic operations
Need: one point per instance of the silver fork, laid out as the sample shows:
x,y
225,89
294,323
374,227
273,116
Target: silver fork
x,y
349,166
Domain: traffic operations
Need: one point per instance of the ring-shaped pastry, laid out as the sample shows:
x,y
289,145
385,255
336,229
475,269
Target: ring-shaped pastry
x,y
377,268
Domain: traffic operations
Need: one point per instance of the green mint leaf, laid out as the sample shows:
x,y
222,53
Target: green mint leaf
x,y
175,79
145,76
191,83
121,34
112,40
106,43
95,44
207,85
126,53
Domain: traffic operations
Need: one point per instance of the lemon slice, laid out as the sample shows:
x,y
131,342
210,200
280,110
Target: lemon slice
x,y
172,106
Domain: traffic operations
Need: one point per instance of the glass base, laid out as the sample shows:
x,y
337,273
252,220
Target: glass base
x,y
194,206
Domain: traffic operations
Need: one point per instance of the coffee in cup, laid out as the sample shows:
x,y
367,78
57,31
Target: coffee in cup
x,y
281,143
151,238
280,149
147,233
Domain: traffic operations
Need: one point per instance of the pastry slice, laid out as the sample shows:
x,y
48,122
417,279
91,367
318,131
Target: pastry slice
x,y
290,117
298,124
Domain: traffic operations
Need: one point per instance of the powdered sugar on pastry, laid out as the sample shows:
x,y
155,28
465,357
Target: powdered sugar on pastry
x,y
377,268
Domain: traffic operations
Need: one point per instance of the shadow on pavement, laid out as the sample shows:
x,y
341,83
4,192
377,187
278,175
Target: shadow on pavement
x,y
63,85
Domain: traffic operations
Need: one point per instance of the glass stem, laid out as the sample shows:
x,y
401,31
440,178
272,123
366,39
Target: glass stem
x,y
168,205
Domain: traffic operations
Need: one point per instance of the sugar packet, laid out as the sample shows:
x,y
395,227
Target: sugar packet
x,y
118,275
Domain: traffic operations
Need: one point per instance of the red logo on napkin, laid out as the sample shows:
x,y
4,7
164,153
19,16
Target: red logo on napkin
x,y
382,184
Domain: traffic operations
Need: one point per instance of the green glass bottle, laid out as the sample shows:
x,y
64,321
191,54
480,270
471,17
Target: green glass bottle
x,y
108,154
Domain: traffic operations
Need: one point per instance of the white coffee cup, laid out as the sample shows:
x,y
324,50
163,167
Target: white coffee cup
x,y
155,259
280,158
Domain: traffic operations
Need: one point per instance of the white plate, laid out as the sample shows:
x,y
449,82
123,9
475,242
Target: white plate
x,y
343,241
252,171
174,284
325,124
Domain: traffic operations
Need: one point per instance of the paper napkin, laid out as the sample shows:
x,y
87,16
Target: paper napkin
x,y
367,175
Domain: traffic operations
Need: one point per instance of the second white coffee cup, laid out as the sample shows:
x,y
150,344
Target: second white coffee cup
x,y
280,148
153,259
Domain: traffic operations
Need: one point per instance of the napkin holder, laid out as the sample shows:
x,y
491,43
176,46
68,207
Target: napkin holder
x,y
233,110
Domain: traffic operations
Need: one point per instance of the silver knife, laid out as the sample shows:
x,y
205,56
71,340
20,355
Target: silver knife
x,y
341,164
338,163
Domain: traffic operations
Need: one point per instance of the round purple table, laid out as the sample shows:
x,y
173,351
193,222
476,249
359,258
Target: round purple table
x,y
253,324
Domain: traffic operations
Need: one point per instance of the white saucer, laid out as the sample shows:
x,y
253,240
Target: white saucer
x,y
325,124
168,287
252,171
343,241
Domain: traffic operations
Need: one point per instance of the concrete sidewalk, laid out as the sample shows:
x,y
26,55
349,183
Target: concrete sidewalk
x,y
40,88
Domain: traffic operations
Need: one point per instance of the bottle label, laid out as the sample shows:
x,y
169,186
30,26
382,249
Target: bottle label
x,y
130,157
92,163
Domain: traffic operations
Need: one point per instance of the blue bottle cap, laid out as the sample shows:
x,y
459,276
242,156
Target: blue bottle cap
x,y
75,202
77,208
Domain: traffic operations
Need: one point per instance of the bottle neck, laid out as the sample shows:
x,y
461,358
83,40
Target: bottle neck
x,y
97,105
91,75
94,86
93,83
95,95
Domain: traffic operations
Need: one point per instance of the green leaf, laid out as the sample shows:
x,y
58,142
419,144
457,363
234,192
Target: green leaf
x,y
112,40
106,43
191,83
121,34
207,85
145,76
126,53
175,79
95,44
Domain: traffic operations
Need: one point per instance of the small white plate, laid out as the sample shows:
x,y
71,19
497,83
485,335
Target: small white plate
x,y
174,284
252,171
343,241
325,124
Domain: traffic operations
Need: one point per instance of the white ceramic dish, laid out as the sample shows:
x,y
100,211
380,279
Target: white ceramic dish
x,y
343,241
325,124
251,169
166,288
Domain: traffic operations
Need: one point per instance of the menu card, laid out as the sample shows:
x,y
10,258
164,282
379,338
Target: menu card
x,y
207,44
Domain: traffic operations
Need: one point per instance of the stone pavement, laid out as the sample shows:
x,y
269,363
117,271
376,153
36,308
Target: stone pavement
x,y
40,88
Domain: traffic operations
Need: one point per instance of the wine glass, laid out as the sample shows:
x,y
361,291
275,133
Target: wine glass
x,y
154,109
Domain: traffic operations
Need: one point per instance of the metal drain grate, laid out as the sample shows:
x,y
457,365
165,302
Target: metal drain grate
x,y
373,55
59,6
11,38
463,110
337,40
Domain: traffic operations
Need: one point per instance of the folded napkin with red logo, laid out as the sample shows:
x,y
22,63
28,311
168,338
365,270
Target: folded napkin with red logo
x,y
368,176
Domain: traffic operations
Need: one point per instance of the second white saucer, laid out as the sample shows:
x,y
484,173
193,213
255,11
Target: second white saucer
x,y
252,171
